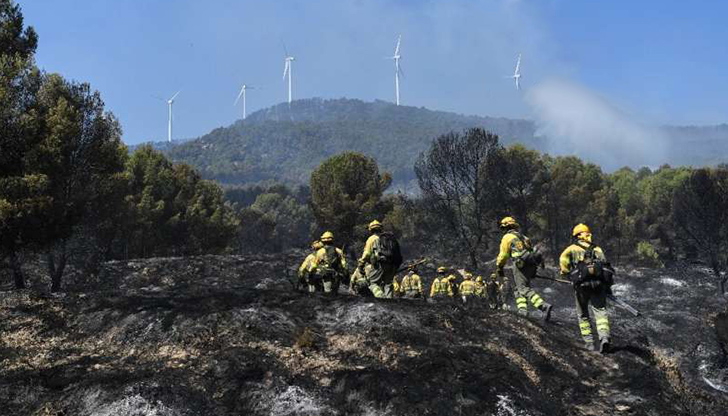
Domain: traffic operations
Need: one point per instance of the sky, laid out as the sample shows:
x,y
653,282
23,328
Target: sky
x,y
648,62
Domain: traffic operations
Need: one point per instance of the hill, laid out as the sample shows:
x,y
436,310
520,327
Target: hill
x,y
285,143
225,335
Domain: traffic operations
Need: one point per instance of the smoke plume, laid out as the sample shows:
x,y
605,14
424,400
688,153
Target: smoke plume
x,y
576,121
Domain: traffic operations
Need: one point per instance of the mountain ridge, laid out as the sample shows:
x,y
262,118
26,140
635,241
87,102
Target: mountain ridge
x,y
284,143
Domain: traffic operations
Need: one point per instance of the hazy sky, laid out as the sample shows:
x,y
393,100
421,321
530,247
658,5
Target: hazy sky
x,y
658,61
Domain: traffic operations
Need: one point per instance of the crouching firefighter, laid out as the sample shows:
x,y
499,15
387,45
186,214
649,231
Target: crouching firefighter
x,y
585,264
380,260
526,261
303,271
328,267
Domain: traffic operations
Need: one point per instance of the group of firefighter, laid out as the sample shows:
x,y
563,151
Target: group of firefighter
x,y
582,264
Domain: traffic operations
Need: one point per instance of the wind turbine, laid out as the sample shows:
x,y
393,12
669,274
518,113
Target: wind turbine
x,y
517,73
397,69
169,103
288,70
242,94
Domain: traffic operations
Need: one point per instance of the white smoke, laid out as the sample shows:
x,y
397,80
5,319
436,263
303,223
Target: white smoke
x,y
577,121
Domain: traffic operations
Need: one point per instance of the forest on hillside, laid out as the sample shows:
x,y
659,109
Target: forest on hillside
x,y
285,143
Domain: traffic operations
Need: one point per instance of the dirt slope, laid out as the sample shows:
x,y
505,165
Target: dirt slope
x,y
226,336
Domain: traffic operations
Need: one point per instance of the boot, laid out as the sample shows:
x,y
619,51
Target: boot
x,y
589,346
523,312
546,311
604,346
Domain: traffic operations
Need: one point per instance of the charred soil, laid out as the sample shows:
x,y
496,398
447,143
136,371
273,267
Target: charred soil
x,y
226,335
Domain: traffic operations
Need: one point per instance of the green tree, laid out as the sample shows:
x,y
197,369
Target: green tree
x,y
570,191
23,198
171,210
700,212
345,193
655,222
80,151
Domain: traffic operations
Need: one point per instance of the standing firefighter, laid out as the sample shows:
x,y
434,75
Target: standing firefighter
x,y
592,276
380,260
479,287
328,267
467,288
303,271
441,286
526,260
412,284
493,292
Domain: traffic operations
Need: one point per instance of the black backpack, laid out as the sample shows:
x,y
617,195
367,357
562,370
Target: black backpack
x,y
593,270
389,252
331,262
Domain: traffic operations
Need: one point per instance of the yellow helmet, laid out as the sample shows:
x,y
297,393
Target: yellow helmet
x,y
327,237
442,269
479,279
316,245
493,277
580,228
508,222
374,225
468,276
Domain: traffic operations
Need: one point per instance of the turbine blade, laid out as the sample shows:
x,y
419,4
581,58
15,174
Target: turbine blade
x,y
399,70
399,40
175,95
285,70
239,95
518,65
285,50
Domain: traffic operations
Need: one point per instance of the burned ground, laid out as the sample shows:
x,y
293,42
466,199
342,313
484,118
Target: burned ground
x,y
227,336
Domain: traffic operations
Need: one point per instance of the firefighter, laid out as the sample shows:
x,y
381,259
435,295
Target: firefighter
x,y
441,287
467,288
380,260
411,285
518,248
303,274
585,264
328,266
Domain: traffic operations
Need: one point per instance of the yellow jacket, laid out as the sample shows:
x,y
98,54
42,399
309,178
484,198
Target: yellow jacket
x,y
412,281
467,288
513,245
371,247
479,289
303,270
396,286
321,255
573,254
441,286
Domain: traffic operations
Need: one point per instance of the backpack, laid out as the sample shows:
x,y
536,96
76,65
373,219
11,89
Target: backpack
x,y
330,264
593,270
531,257
389,252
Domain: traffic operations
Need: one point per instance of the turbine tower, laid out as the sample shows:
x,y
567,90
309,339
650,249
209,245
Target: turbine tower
x,y
242,94
397,69
169,104
288,70
517,73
